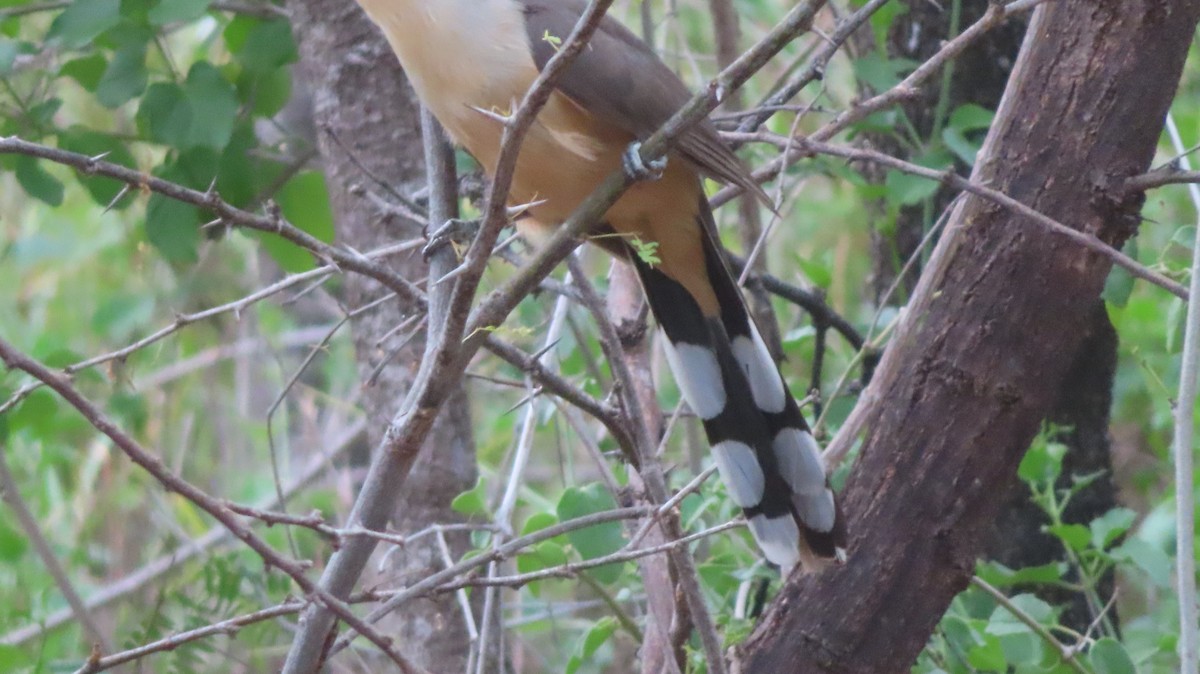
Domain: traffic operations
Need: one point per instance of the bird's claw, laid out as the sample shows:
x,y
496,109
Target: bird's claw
x,y
639,170
455,232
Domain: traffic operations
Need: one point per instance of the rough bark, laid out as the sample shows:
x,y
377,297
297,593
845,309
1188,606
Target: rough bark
x,y
979,77
369,130
989,338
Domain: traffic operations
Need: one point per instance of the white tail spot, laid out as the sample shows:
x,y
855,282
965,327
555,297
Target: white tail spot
x,y
779,539
799,460
699,377
766,385
740,471
817,510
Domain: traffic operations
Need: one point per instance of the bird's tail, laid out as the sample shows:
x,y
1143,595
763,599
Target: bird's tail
x,y
768,459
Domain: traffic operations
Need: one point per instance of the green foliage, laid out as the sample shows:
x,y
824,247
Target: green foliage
x,y
190,92
599,539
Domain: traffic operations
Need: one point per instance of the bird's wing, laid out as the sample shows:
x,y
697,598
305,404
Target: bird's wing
x,y
622,82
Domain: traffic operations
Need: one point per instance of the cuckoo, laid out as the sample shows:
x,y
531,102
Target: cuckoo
x,y
471,59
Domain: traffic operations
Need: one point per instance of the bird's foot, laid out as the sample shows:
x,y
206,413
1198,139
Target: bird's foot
x,y
455,232
639,170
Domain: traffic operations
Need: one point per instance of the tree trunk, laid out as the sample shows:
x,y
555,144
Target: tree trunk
x,y
370,132
979,76
989,337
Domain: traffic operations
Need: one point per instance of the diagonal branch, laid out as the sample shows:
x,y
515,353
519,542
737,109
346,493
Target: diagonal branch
x,y
14,359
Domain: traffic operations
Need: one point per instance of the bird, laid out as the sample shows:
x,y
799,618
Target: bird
x,y
471,62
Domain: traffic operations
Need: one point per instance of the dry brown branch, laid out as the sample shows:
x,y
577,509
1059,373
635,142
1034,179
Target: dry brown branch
x,y
61,384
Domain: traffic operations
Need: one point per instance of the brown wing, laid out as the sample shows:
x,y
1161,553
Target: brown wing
x,y
621,81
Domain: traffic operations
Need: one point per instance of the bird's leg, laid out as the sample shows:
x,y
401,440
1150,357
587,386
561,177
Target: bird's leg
x,y
454,232
638,170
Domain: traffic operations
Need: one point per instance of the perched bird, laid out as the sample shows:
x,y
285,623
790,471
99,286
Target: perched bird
x,y
469,59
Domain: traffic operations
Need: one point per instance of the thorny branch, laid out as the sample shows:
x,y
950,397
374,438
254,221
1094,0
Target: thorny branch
x,y
14,359
467,328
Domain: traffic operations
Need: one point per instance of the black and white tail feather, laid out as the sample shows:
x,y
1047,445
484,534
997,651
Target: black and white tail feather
x,y
767,457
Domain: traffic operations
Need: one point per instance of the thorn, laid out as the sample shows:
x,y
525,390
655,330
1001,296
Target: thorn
x,y
125,189
537,355
453,274
522,402
503,119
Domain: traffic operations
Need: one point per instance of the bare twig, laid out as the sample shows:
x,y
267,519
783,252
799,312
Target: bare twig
x,y
225,627
815,69
394,600
1171,175
996,15
650,469
183,320
14,359
136,581
949,177
1185,409
272,223
449,358
571,569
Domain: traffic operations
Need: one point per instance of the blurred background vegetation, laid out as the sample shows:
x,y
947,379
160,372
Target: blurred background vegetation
x,y
254,399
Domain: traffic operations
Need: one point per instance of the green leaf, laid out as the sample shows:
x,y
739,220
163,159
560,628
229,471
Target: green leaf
x,y
261,46
124,78
171,226
38,414
882,73
817,271
239,173
14,658
214,106
600,633
1042,462
904,189
962,147
599,539
1110,526
539,521
83,21
544,555
971,117
173,11
87,70
37,182
42,114
988,656
1076,536
305,203
202,113
165,115
1003,621
1148,557
1119,284
1108,656
1002,576
268,92
473,501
